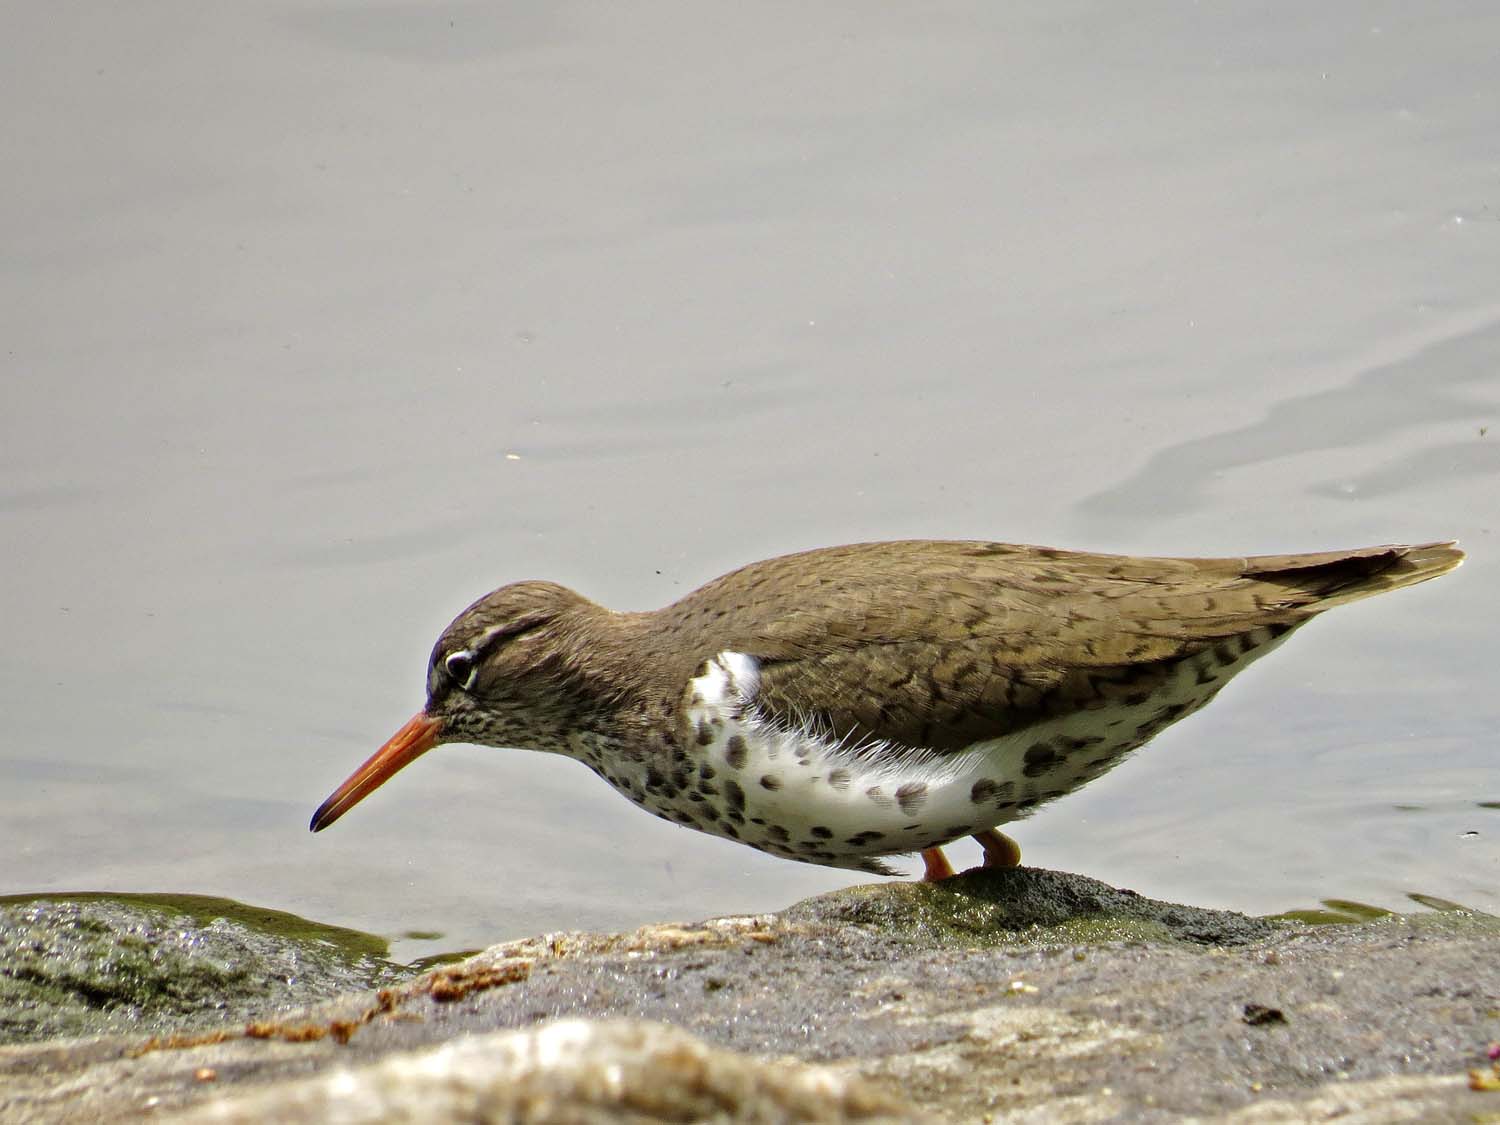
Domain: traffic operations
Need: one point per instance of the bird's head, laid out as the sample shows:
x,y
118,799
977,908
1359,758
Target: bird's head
x,y
500,675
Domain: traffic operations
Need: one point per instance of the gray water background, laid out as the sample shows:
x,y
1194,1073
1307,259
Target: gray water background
x,y
318,320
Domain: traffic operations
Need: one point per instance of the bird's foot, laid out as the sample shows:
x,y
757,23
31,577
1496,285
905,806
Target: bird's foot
x,y
999,849
936,864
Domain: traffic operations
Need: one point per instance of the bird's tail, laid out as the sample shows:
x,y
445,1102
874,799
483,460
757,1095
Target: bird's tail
x,y
1334,578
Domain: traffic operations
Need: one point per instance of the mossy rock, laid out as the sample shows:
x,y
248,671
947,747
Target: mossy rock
x,y
86,964
1025,906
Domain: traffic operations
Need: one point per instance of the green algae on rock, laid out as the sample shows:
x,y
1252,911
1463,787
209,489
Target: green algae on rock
x,y
91,963
1025,906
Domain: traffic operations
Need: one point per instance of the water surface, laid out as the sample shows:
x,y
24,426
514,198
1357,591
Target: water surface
x,y
322,319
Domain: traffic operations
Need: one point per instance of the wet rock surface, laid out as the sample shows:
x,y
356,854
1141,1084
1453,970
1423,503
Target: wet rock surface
x,y
95,964
1026,995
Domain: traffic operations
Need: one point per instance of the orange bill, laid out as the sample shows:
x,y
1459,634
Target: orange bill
x,y
405,746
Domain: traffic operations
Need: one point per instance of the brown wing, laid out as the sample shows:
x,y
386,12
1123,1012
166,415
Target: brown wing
x,y
941,644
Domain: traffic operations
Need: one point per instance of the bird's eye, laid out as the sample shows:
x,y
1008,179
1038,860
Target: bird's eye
x,y
461,668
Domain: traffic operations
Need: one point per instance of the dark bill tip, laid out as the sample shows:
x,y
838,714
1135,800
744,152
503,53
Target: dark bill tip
x,y
408,744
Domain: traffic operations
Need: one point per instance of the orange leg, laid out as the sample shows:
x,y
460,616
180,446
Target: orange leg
x,y
999,849
937,865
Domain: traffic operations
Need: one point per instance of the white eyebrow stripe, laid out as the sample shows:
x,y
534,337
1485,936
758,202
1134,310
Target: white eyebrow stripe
x,y
488,636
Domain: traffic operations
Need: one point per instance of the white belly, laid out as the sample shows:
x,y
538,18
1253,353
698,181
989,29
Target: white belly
x,y
797,793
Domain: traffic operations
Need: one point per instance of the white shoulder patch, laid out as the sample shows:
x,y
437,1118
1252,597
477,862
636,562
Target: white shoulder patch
x,y
730,683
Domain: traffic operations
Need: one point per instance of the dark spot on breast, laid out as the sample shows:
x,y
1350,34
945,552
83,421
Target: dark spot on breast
x,y
729,830
710,814
1136,698
706,772
956,830
734,795
911,797
760,820
1205,677
1040,758
735,752
1069,744
839,779
776,832
654,779
705,733
821,833
1026,804
860,839
770,781
984,790
708,790
1223,657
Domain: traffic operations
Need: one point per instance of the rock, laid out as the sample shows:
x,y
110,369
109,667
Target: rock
x,y
1026,994
568,1071
96,964
1027,905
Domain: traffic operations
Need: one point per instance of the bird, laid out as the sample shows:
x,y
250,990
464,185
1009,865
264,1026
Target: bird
x,y
844,705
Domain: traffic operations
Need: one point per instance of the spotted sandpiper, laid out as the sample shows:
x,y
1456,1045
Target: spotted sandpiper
x,y
847,704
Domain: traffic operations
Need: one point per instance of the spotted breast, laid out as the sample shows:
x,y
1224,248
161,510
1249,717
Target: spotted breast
x,y
800,790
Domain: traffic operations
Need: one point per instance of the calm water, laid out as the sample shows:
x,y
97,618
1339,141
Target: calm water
x,y
319,320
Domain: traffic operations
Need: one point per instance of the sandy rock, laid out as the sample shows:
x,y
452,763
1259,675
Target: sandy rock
x,y
568,1071
1019,995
